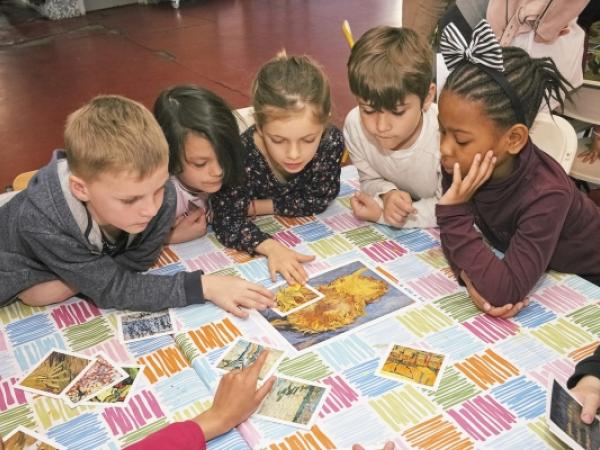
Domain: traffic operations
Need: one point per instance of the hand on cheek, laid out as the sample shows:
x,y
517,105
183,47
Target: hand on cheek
x,y
462,189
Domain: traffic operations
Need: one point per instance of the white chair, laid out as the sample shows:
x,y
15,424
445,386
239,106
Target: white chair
x,y
5,197
555,136
244,117
585,171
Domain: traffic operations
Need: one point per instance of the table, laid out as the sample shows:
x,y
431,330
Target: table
x,y
492,394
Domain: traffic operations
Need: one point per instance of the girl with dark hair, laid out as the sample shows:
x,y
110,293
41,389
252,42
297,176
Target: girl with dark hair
x,y
520,198
205,153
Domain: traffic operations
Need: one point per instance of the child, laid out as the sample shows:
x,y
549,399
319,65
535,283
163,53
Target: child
x,y
292,161
98,214
495,177
235,400
392,134
205,153
585,383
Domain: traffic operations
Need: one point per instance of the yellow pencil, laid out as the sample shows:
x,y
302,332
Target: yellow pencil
x,y
347,33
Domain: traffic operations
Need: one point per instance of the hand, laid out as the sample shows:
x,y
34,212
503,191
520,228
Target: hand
x,y
235,400
188,228
365,207
593,153
397,205
387,446
504,312
232,293
285,261
587,391
462,189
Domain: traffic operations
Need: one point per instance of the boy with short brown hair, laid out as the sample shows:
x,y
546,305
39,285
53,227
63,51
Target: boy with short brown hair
x,y
98,214
392,135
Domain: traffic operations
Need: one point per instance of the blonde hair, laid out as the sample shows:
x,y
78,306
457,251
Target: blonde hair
x,y
286,85
114,134
387,63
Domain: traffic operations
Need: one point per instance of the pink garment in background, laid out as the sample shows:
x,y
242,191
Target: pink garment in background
x,y
186,200
546,17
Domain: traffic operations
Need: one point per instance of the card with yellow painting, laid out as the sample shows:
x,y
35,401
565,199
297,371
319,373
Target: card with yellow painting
x,y
22,438
55,371
412,365
294,297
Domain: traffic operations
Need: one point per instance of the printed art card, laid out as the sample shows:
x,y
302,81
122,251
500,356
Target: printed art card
x,y
412,365
54,373
354,295
119,393
243,353
293,401
292,298
137,326
99,375
22,438
563,413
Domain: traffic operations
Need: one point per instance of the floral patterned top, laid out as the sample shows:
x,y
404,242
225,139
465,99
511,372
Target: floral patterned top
x,y
306,193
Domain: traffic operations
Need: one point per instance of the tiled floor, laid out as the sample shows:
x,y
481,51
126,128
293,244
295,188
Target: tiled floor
x,y
48,69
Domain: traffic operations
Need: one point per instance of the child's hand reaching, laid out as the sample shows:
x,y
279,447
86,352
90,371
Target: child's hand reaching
x,y
397,205
462,189
188,227
504,312
365,207
231,293
235,400
587,391
285,261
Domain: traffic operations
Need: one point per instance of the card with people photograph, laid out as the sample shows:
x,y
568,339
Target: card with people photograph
x,y
137,326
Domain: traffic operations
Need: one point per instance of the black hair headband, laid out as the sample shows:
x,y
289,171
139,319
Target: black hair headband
x,y
484,51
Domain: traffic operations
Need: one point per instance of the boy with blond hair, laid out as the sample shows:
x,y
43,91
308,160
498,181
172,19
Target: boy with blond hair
x,y
392,135
98,214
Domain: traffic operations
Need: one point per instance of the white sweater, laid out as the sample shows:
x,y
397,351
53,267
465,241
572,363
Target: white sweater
x,y
415,170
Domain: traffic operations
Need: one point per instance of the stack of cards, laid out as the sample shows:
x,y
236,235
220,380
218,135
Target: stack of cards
x,y
563,413
137,326
80,380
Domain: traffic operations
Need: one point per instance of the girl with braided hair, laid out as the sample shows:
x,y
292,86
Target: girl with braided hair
x,y
494,177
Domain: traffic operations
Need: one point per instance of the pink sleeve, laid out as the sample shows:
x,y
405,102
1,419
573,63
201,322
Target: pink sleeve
x,y
178,436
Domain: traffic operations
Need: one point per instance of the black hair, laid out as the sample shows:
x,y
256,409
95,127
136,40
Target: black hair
x,y
185,109
531,79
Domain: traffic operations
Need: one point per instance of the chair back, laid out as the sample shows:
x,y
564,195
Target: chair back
x,y
555,136
244,117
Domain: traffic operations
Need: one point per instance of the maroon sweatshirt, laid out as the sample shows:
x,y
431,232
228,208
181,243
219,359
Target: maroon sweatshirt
x,y
536,216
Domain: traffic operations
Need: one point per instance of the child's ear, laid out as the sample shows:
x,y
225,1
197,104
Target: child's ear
x,y
430,97
78,188
517,137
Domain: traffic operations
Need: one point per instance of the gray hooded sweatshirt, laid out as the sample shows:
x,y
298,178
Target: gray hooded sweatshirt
x,y
47,234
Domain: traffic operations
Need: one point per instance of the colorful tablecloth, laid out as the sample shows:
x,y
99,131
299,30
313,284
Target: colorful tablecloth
x,y
492,392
